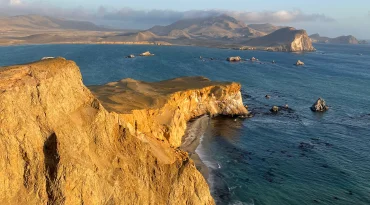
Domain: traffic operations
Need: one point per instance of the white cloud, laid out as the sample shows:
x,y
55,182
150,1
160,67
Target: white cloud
x,y
127,17
282,16
15,2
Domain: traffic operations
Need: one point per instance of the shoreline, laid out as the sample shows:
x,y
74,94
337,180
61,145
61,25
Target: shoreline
x,y
159,43
191,141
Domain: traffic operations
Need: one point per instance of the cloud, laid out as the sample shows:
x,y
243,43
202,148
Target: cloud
x,y
279,16
128,17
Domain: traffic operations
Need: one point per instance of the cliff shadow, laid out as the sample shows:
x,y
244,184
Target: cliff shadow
x,y
51,161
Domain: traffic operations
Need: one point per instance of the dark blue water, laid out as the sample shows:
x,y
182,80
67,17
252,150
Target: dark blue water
x,y
294,157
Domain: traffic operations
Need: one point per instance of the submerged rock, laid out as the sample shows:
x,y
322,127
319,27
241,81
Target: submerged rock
x,y
234,59
267,96
253,59
299,63
319,106
147,53
131,56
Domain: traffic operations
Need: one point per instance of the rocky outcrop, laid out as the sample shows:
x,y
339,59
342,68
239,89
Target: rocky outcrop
x,y
274,109
319,106
285,39
162,109
234,59
147,53
299,63
60,145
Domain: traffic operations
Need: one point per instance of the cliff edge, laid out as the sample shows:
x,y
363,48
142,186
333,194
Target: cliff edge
x,y
60,145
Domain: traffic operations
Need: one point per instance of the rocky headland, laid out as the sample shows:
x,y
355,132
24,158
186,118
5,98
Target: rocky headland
x,y
286,39
316,38
61,143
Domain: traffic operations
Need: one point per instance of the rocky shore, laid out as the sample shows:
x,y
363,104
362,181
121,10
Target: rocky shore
x,y
116,144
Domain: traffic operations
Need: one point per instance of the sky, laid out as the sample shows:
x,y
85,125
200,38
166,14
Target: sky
x,y
327,17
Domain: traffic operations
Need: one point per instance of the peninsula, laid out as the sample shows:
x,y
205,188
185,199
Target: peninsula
x,y
116,144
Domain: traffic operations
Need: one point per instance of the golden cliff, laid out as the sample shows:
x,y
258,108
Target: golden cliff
x,y
286,39
61,144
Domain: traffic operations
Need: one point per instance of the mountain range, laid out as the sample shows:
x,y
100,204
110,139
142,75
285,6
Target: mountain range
x,y
216,31
30,22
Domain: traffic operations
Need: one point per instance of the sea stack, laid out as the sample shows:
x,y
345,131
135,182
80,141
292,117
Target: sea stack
x,y
147,53
319,106
234,59
299,63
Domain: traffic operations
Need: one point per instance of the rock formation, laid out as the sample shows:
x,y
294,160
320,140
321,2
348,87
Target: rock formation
x,y
299,63
319,106
285,39
274,109
234,59
60,145
147,53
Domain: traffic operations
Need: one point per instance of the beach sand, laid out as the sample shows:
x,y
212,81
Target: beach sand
x,y
191,140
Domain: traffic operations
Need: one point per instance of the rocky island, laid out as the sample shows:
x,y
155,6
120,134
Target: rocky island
x,y
61,143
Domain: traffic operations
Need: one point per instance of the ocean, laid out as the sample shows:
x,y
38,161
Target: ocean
x,y
293,157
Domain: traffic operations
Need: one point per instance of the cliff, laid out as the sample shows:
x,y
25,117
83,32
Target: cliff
x,y
60,145
285,39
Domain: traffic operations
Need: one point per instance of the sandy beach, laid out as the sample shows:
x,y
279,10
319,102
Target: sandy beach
x,y
191,140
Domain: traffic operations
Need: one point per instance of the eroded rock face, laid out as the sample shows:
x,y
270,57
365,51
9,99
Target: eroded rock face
x,y
162,109
319,106
59,145
286,39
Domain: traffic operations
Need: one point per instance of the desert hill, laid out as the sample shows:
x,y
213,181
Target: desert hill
x,y
26,22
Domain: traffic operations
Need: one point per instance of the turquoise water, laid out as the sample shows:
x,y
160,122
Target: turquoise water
x,y
294,157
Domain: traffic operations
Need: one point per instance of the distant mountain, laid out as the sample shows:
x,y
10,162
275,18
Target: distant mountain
x,y
285,39
217,31
316,38
222,26
266,28
36,22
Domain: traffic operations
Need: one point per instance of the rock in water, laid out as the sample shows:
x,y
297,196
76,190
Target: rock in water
x,y
131,56
234,59
274,109
299,63
147,53
253,59
319,106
